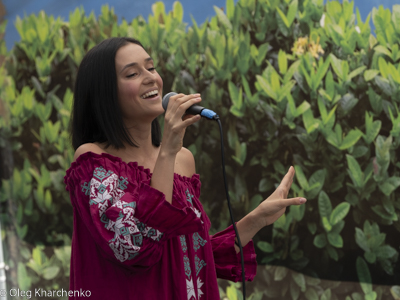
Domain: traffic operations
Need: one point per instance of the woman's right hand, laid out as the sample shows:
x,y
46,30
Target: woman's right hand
x,y
176,121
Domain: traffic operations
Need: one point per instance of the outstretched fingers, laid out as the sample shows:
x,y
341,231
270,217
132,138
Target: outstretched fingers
x,y
293,201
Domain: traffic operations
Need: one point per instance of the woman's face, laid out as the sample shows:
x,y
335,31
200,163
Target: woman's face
x,y
139,84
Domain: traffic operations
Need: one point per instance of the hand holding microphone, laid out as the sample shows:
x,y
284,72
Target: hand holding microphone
x,y
192,110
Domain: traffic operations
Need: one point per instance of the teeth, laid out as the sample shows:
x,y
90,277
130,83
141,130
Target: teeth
x,y
152,93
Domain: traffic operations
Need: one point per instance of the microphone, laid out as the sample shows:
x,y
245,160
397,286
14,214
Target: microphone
x,y
193,110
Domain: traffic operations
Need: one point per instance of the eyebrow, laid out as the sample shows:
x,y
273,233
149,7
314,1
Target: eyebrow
x,y
134,64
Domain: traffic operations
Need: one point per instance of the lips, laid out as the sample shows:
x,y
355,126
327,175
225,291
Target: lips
x,y
150,94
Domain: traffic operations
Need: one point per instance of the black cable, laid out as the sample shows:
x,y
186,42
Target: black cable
x,y
230,207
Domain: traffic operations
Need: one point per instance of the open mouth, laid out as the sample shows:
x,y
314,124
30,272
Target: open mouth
x,y
150,95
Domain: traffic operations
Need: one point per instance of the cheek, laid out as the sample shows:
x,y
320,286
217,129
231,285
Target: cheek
x,y
127,90
159,81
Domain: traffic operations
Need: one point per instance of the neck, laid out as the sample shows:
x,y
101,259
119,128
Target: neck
x,y
145,154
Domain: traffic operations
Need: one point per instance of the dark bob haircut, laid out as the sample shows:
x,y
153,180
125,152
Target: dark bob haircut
x,y
96,114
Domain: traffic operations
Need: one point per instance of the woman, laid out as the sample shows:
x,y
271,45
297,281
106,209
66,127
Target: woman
x,y
140,231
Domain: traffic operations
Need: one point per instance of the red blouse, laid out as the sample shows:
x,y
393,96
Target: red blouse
x,y
130,243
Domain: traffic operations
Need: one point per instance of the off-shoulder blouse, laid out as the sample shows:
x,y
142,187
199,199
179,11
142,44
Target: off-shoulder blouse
x,y
129,243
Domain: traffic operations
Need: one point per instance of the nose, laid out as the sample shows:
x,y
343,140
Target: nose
x,y
149,77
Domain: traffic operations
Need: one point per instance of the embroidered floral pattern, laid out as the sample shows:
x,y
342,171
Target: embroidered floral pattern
x,y
198,241
183,243
199,285
186,263
106,190
86,188
190,289
199,264
189,198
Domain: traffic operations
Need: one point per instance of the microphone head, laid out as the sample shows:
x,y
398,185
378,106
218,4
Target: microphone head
x,y
165,99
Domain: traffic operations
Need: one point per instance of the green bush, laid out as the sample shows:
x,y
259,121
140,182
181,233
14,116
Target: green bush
x,y
295,82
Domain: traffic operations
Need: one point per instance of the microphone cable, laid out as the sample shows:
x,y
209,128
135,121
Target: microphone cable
x,y
211,115
216,117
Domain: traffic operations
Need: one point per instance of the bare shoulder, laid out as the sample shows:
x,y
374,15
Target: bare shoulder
x,y
89,147
185,164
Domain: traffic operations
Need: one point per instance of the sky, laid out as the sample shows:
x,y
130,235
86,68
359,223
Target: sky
x,y
129,9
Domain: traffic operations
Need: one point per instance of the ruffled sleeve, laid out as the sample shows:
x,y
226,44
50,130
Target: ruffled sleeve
x,y
127,218
227,261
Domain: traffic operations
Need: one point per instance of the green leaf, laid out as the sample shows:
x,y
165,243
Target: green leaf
x,y
240,153
222,18
265,185
324,205
351,138
231,293
370,257
370,74
395,291
311,294
265,247
280,273
327,225
363,275
356,72
337,66
178,11
301,178
294,290
327,294
48,199
50,273
383,50
355,171
389,185
21,231
292,11
319,178
385,252
24,280
361,240
282,62
332,253
300,280
285,90
320,240
230,9
310,123
322,69
335,239
283,18
297,211
383,67
372,128
302,108
266,87
312,227
339,213
280,223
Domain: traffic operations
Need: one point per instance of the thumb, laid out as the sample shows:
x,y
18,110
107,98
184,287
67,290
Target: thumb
x,y
294,201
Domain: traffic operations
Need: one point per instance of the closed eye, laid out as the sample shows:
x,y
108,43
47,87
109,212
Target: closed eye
x,y
131,75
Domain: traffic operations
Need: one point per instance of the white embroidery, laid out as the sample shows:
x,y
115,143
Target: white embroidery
x,y
190,289
199,285
106,190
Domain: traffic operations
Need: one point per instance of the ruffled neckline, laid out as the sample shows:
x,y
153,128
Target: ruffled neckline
x,y
131,164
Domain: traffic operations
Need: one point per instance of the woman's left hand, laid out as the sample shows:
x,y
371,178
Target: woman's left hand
x,y
275,205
